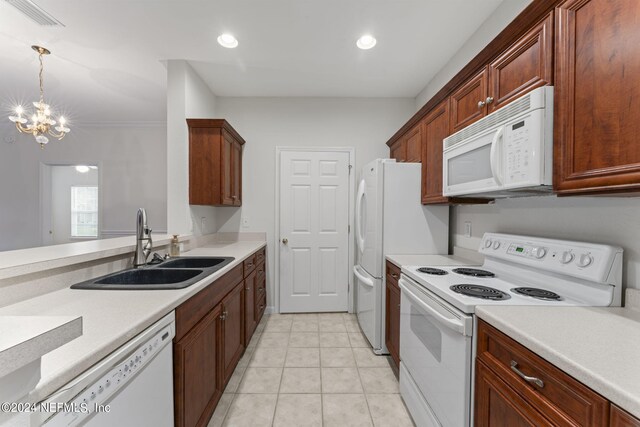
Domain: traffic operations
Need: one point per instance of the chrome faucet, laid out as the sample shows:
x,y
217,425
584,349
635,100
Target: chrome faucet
x,y
143,234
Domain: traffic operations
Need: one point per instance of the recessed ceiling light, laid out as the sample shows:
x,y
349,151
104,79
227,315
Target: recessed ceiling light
x,y
366,42
227,40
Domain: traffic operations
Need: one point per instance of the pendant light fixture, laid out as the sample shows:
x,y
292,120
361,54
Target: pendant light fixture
x,y
40,123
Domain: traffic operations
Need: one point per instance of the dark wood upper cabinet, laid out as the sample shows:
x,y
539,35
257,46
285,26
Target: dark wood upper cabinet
x,y
525,66
408,148
436,128
413,144
597,97
215,163
468,102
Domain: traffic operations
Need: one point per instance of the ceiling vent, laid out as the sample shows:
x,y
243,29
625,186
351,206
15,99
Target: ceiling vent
x,y
35,13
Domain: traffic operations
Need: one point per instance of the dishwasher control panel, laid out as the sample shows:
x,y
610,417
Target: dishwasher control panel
x,y
95,397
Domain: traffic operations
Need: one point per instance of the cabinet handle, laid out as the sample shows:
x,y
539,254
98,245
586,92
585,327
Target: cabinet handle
x,y
394,275
489,100
531,380
261,306
481,105
247,289
250,264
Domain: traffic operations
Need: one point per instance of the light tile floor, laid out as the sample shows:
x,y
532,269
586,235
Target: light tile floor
x,y
311,370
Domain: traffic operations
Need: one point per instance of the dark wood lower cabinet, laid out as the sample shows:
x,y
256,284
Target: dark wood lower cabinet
x,y
197,385
503,397
392,313
498,405
211,336
250,318
232,330
620,418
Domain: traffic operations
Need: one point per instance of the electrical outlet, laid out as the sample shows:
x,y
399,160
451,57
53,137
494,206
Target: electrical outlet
x,y
203,224
245,222
467,229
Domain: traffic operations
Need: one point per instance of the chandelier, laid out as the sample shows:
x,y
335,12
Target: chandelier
x,y
41,121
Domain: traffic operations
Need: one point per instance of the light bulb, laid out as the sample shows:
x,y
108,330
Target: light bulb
x,y
34,118
365,42
47,112
62,120
227,40
19,110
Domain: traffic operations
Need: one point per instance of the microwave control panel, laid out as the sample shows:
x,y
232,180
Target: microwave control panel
x,y
522,149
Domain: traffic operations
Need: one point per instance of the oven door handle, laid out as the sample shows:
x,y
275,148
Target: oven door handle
x,y
450,323
493,161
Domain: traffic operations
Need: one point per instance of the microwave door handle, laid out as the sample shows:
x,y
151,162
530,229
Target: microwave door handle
x,y
493,161
450,323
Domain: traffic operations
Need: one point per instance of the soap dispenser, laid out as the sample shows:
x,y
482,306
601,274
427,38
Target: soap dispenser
x,y
174,247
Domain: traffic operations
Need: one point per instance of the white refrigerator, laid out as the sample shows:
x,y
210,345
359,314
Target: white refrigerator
x,y
390,219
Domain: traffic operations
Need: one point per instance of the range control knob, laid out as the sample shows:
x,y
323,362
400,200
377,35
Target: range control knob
x,y
496,244
566,257
585,260
488,243
539,252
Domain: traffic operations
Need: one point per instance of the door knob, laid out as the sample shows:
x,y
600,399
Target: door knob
x,y
285,241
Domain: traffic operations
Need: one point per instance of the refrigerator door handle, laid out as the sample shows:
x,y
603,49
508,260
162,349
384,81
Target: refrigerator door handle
x,y
359,219
365,280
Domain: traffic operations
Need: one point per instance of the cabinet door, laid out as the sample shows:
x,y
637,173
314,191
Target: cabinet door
x,y
468,102
413,144
398,151
249,307
597,97
261,293
620,418
236,171
227,169
497,405
525,66
232,330
197,372
392,321
436,128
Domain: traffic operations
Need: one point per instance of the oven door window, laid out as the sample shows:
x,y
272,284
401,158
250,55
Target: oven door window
x,y
427,332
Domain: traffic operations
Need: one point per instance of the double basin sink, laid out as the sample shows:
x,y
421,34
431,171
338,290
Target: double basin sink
x,y
175,273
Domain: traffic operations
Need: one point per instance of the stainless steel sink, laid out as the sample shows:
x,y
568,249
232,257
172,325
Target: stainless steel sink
x,y
176,273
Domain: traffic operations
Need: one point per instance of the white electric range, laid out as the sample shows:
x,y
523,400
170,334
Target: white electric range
x,y
437,324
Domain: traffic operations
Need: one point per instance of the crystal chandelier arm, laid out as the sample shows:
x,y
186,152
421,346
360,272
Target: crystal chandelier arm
x,y
59,135
24,129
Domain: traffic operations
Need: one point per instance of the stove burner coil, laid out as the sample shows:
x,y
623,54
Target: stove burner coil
x,y
537,293
479,291
431,270
475,272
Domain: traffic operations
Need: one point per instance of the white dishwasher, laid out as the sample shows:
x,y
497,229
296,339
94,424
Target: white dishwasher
x,y
133,386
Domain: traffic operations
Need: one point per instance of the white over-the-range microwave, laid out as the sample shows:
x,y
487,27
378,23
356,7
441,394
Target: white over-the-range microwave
x,y
508,153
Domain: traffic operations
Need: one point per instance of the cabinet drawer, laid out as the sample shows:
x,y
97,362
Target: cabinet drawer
x,y
393,273
249,264
261,255
620,418
561,398
260,270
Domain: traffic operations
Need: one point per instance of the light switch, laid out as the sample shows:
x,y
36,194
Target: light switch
x,y
467,229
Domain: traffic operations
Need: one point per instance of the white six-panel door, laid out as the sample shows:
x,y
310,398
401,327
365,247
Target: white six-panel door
x,y
314,235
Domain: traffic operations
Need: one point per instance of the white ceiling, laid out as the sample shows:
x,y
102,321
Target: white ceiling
x,y
107,62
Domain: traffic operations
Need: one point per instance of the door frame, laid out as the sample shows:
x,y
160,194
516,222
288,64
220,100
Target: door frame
x,y
350,247
45,202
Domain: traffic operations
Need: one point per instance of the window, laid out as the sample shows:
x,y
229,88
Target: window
x,y
84,211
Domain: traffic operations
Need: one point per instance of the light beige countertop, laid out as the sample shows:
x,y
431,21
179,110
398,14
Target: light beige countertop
x,y
24,339
112,317
33,260
599,347
427,260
